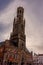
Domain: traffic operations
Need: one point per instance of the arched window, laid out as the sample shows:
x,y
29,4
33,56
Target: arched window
x,y
20,11
22,46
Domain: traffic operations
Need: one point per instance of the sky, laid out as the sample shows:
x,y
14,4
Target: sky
x,y
33,15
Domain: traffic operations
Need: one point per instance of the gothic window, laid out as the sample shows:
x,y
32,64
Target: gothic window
x,y
20,11
22,45
28,64
19,18
22,28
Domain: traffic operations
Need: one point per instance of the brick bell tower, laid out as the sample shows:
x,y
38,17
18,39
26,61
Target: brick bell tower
x,y
18,34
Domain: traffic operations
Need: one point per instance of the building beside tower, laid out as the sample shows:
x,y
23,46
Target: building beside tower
x,y
38,59
14,51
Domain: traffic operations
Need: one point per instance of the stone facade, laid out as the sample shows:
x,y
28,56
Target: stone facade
x,y
14,51
38,59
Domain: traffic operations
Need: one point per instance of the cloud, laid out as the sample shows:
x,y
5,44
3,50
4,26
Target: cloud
x,y
4,27
33,13
4,4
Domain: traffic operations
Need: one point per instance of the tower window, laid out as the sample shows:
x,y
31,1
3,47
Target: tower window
x,y
20,11
22,45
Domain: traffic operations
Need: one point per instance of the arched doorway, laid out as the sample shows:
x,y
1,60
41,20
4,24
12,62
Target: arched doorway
x,y
12,63
9,63
28,63
22,62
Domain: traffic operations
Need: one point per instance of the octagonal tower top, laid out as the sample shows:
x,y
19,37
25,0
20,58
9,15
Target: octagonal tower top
x,y
20,12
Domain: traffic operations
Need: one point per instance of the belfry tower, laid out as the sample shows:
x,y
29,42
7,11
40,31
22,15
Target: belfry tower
x,y
18,34
14,51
